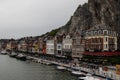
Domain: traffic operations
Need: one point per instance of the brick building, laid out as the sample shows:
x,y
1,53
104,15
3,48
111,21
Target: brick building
x,y
78,46
100,38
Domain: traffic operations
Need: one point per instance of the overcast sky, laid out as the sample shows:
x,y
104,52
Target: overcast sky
x,y
20,18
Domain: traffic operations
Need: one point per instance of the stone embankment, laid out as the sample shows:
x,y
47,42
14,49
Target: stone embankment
x,y
98,72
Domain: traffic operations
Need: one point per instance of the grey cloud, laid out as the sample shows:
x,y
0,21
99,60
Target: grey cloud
x,y
19,18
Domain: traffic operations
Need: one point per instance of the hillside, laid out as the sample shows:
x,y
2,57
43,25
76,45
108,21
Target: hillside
x,y
92,13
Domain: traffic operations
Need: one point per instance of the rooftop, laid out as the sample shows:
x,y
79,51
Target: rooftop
x,y
101,26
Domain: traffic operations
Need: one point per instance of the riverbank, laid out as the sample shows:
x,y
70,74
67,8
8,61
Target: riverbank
x,y
97,72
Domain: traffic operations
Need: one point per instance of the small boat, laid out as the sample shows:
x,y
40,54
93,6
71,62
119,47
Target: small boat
x,y
85,77
13,54
69,69
61,68
88,74
4,52
47,63
78,73
29,58
21,57
82,78
88,77
108,79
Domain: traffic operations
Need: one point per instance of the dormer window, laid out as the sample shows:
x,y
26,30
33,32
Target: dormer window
x,y
91,33
95,32
100,32
111,33
105,33
86,33
67,37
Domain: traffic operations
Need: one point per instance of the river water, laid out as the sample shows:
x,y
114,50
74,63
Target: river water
x,y
13,69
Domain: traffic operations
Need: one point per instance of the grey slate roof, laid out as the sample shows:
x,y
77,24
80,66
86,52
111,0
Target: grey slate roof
x,y
101,26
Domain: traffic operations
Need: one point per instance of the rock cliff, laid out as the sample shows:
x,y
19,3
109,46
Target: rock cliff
x,y
92,13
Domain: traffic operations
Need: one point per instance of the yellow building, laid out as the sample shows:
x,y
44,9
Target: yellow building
x,y
35,48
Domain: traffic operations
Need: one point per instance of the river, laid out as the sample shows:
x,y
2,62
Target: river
x,y
13,69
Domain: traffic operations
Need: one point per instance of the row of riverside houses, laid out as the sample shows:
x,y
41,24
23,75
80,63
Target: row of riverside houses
x,y
100,38
65,46
26,45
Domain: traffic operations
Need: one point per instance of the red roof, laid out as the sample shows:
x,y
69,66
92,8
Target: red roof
x,y
102,53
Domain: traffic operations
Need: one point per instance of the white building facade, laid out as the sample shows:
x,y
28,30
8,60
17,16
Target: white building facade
x,y
67,46
50,47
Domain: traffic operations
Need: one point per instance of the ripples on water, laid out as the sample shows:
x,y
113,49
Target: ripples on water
x,y
12,69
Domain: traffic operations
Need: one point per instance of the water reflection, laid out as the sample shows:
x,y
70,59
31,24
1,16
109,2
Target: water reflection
x,y
12,69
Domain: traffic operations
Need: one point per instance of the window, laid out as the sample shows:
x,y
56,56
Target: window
x,y
73,53
106,46
86,33
95,32
91,33
99,32
114,34
59,47
70,46
65,46
105,32
106,39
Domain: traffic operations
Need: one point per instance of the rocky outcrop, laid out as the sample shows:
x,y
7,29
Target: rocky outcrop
x,y
92,13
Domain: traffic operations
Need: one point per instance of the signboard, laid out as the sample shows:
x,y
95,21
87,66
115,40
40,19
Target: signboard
x,y
118,69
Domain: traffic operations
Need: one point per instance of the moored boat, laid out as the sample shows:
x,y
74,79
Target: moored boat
x,y
13,54
61,68
48,63
21,57
3,52
78,73
88,77
29,58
